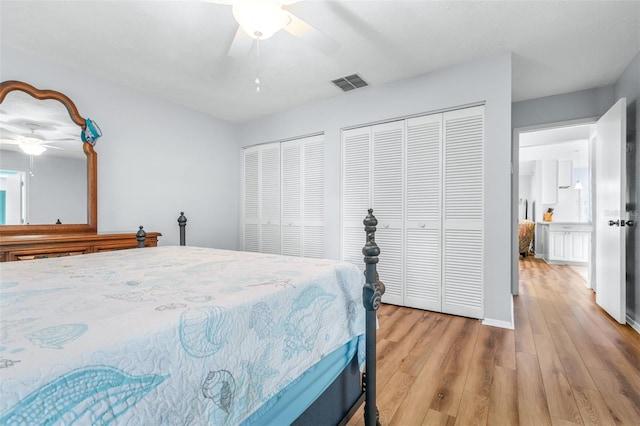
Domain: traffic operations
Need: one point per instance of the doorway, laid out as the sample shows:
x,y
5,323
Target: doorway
x,y
553,175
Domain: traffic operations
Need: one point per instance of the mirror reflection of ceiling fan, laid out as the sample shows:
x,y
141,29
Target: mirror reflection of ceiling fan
x,y
260,19
30,143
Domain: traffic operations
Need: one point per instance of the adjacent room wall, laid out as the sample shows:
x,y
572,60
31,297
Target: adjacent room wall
x,y
628,86
486,80
155,158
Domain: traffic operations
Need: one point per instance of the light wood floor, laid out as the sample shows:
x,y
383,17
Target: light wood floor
x,y
566,362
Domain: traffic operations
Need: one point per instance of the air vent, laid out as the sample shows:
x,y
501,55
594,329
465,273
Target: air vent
x,y
350,82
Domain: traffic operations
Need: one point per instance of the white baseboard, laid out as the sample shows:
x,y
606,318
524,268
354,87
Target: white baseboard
x,y
499,323
633,323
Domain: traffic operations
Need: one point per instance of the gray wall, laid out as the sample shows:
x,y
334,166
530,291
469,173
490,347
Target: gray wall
x,y
628,86
155,158
487,80
57,189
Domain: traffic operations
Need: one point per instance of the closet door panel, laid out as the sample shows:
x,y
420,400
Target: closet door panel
x,y
356,184
313,197
388,173
463,194
291,198
270,198
423,214
422,275
390,268
251,204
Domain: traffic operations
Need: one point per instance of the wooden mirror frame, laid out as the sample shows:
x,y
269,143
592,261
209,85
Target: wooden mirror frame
x,y
92,168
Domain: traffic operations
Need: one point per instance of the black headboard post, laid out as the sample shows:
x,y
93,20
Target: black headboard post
x,y
141,236
182,222
371,297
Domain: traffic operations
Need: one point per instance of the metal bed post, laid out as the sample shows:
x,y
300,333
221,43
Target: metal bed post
x,y
371,296
182,222
141,236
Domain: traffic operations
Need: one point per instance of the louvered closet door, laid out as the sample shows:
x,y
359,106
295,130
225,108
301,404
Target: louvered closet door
x,y
423,213
356,200
313,197
270,198
291,200
251,173
463,212
388,205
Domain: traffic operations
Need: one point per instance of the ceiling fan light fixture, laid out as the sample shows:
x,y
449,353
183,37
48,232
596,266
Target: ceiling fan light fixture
x,y
32,149
259,18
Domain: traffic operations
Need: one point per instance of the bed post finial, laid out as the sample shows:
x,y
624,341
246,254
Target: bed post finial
x,y
371,297
141,236
182,222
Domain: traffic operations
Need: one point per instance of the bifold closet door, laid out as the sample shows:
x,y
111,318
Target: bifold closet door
x,y
313,197
261,172
423,220
356,191
251,200
463,212
388,205
302,197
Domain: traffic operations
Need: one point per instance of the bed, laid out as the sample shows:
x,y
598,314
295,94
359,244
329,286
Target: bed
x,y
184,335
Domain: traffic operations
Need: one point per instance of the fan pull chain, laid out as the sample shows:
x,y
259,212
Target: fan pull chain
x,y
31,166
258,35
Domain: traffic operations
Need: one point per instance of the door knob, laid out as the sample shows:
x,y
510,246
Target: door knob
x,y
614,222
627,223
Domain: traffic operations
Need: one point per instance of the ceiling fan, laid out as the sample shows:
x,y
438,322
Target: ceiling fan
x,y
260,19
31,143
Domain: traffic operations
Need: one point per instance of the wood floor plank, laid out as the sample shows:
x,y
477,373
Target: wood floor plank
x,y
557,388
391,395
482,365
474,410
523,333
436,418
414,407
503,402
454,370
615,393
532,402
506,353
593,407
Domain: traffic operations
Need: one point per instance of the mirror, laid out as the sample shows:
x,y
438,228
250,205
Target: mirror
x,y
47,174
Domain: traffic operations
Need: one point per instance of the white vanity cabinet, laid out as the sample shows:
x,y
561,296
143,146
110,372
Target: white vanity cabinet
x,y
566,242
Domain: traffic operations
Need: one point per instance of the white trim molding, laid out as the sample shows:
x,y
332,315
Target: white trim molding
x,y
633,323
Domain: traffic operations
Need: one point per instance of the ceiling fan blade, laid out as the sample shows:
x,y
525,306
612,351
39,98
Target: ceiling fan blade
x,y
9,142
51,146
241,44
311,35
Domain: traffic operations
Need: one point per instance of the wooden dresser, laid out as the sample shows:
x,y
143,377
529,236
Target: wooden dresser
x,y
27,247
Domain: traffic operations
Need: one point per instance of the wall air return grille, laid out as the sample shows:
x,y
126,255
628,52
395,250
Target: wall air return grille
x,y
350,82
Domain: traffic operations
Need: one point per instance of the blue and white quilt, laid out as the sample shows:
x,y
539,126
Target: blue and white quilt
x,y
166,335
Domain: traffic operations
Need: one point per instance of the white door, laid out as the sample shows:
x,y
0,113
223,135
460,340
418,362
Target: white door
x,y
423,221
610,209
388,207
463,212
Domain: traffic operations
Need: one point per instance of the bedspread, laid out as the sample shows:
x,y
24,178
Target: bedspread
x,y
166,335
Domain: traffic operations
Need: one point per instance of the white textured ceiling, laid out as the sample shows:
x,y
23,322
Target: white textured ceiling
x,y
177,50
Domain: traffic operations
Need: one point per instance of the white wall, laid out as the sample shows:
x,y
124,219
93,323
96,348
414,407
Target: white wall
x,y
155,158
487,80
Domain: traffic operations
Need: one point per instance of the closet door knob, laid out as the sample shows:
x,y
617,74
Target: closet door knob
x,y
422,225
